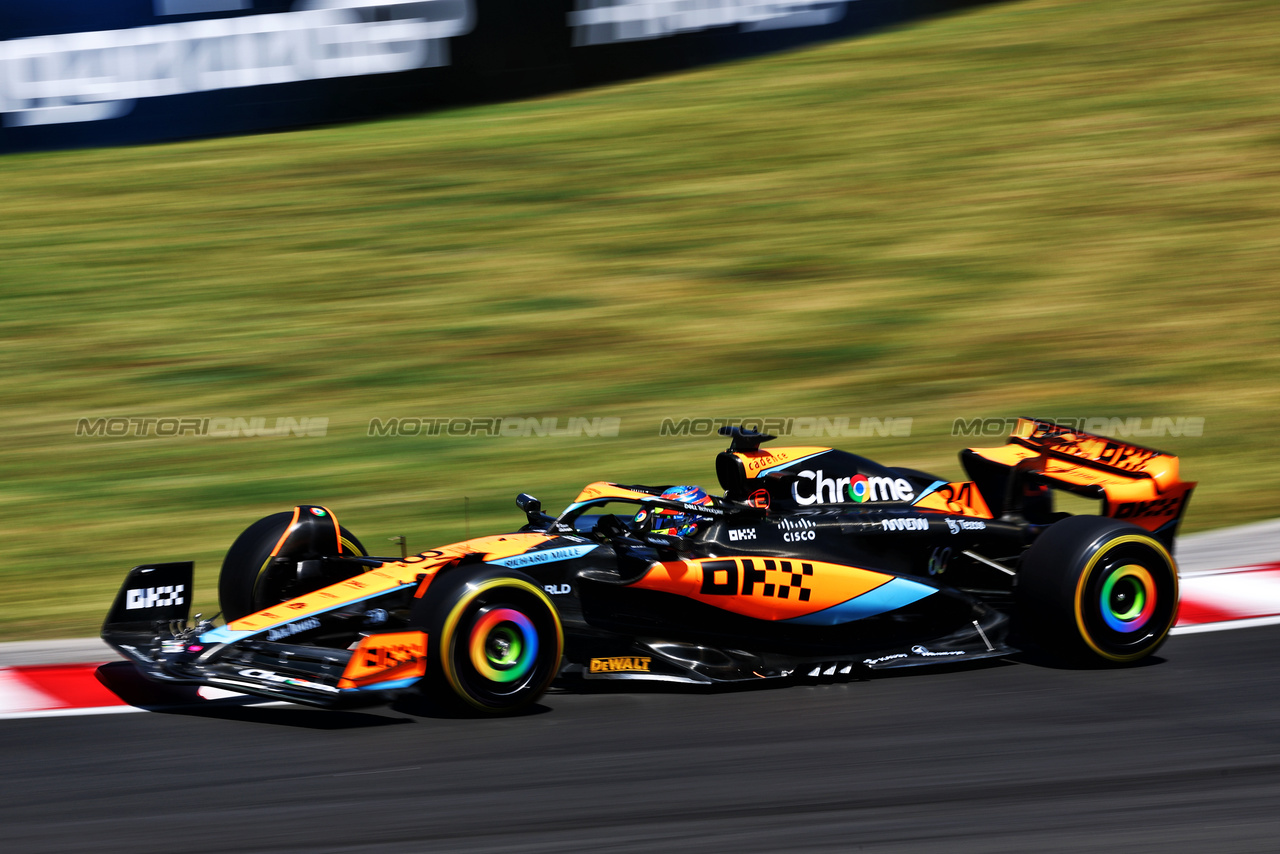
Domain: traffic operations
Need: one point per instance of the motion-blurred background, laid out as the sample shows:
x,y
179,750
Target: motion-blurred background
x,y
1060,208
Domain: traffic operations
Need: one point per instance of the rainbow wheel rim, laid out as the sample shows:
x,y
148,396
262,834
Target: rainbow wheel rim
x,y
1127,598
503,645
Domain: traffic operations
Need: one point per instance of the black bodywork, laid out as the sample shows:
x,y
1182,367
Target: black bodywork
x,y
790,574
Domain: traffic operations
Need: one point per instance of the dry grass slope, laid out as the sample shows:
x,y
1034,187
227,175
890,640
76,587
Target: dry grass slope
x,y
1059,207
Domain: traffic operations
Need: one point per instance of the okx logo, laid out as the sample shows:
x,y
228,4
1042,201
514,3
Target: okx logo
x,y
154,597
742,576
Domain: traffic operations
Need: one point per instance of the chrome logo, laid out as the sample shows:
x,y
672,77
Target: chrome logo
x,y
858,489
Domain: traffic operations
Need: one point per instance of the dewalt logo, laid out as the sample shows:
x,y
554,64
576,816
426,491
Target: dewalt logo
x,y
620,664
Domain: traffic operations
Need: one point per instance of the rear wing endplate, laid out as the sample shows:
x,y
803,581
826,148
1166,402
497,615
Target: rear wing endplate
x,y
1139,484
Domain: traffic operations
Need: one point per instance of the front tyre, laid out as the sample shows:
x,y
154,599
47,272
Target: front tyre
x,y
1093,588
496,638
250,580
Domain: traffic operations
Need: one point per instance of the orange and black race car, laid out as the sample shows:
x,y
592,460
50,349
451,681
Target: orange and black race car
x,y
814,563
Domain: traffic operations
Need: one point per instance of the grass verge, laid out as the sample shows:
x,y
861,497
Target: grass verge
x,y
1053,207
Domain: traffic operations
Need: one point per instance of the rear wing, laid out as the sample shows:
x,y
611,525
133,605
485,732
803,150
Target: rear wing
x,y
1140,485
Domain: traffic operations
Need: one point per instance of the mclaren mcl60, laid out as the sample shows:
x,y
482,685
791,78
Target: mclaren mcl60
x,y
811,563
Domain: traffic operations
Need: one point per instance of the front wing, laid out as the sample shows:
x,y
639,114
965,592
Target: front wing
x,y
149,626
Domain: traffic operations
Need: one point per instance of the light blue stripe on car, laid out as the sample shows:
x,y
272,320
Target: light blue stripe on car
x,y
544,556
223,634
388,686
933,487
889,596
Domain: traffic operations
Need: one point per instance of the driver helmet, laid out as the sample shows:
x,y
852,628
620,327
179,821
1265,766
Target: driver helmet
x,y
677,522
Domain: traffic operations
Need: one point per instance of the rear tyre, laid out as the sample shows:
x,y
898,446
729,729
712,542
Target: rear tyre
x,y
495,638
1093,589
248,583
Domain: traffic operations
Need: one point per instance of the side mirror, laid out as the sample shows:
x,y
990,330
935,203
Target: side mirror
x,y
532,507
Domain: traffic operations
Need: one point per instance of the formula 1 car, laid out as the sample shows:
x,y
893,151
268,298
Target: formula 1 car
x,y
814,563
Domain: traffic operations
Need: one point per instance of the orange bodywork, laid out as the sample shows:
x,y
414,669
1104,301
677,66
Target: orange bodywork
x,y
603,489
386,658
755,462
960,498
386,578
1140,485
763,588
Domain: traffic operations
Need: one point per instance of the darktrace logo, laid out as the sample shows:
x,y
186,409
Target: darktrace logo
x,y
1143,509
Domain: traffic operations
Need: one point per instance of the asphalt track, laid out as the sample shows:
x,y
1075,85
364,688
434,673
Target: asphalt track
x,y
1181,755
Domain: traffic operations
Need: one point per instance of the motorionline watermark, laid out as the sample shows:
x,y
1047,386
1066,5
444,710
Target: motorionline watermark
x,y
1113,428
800,427
120,426
505,427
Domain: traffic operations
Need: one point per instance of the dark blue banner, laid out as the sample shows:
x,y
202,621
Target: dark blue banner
x,y
105,72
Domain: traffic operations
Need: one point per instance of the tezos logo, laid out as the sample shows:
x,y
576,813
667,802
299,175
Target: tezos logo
x,y
154,597
958,525
859,488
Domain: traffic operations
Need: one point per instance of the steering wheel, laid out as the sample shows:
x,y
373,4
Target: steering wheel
x,y
610,527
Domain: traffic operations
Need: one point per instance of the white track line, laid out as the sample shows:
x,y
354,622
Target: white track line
x,y
71,713
123,710
1249,594
1226,625
19,696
